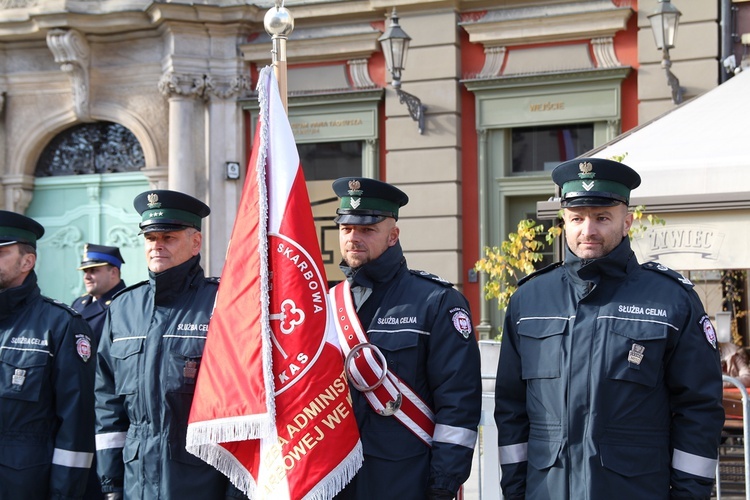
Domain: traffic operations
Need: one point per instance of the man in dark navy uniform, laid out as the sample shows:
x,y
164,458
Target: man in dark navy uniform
x,y
149,358
46,378
101,277
420,326
609,380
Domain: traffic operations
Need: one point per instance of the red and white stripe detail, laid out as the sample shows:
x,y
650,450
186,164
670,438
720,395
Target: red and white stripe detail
x,y
366,370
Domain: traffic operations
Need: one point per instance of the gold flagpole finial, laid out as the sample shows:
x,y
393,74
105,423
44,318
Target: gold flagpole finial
x,y
279,23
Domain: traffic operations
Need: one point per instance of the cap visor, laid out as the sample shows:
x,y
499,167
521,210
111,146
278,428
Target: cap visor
x,y
162,228
88,265
590,202
358,220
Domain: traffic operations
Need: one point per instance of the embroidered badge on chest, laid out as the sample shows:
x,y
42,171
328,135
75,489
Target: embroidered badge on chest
x,y
461,321
708,330
83,346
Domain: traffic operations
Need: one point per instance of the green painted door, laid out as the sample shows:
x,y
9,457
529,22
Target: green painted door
x,y
80,209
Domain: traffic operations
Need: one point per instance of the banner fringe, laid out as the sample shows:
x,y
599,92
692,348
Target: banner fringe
x,y
220,458
339,477
267,354
224,430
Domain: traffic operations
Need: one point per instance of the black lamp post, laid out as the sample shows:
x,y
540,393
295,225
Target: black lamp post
x,y
664,21
395,43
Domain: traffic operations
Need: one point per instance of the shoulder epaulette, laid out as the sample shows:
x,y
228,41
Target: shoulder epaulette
x,y
213,279
539,272
431,277
660,268
128,288
61,304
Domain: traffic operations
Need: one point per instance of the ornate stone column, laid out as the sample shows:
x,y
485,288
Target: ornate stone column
x,y
72,52
185,93
226,141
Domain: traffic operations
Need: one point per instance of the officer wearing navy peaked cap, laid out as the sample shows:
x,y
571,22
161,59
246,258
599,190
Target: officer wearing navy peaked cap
x,y
422,326
47,383
101,277
617,361
149,360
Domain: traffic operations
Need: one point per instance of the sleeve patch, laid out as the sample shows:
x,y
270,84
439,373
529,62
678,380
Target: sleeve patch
x,y
461,321
83,346
708,330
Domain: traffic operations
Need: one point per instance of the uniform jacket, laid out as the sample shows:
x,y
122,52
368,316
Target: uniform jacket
x,y
46,396
149,357
608,385
409,316
94,311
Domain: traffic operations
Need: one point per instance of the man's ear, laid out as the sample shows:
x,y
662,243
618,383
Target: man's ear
x,y
197,240
393,235
28,261
628,223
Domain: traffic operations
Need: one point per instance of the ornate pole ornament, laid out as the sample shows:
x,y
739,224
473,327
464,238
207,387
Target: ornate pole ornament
x,y
279,23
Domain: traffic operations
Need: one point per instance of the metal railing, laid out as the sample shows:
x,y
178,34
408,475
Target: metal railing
x,y
745,436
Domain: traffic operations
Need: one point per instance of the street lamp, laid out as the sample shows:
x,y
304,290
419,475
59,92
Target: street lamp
x,y
395,43
664,21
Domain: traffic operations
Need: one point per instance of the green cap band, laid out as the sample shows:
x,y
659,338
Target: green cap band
x,y
372,204
595,186
16,234
171,216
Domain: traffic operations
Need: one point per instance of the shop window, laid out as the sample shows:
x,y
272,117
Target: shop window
x,y
331,160
540,149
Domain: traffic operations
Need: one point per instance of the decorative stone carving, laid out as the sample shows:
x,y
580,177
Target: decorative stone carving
x,y
123,236
67,237
186,85
226,88
604,52
493,62
21,198
72,52
359,74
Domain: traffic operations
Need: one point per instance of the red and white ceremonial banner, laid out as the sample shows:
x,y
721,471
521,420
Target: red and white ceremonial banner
x,y
272,409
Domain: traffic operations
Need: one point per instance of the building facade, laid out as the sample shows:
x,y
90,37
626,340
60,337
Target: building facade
x,y
103,99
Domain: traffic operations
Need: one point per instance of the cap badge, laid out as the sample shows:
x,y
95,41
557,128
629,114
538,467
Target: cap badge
x,y
354,188
354,202
153,200
586,170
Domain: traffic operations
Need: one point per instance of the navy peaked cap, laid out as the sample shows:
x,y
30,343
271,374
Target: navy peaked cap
x,y
100,255
595,182
367,201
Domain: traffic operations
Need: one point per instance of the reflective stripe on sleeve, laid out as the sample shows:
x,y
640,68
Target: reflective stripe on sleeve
x,y
455,435
694,464
513,453
69,458
110,440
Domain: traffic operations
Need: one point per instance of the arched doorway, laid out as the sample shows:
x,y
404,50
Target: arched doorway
x,y
86,179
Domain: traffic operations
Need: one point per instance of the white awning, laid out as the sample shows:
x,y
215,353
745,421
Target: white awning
x,y
700,147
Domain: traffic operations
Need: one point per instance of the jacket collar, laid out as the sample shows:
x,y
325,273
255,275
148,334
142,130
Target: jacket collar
x,y
175,281
380,270
11,299
617,264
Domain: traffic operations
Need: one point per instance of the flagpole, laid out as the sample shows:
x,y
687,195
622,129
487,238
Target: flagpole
x,y
279,23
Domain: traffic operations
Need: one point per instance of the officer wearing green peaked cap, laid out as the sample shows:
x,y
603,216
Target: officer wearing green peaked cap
x,y
17,228
595,182
367,201
164,210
